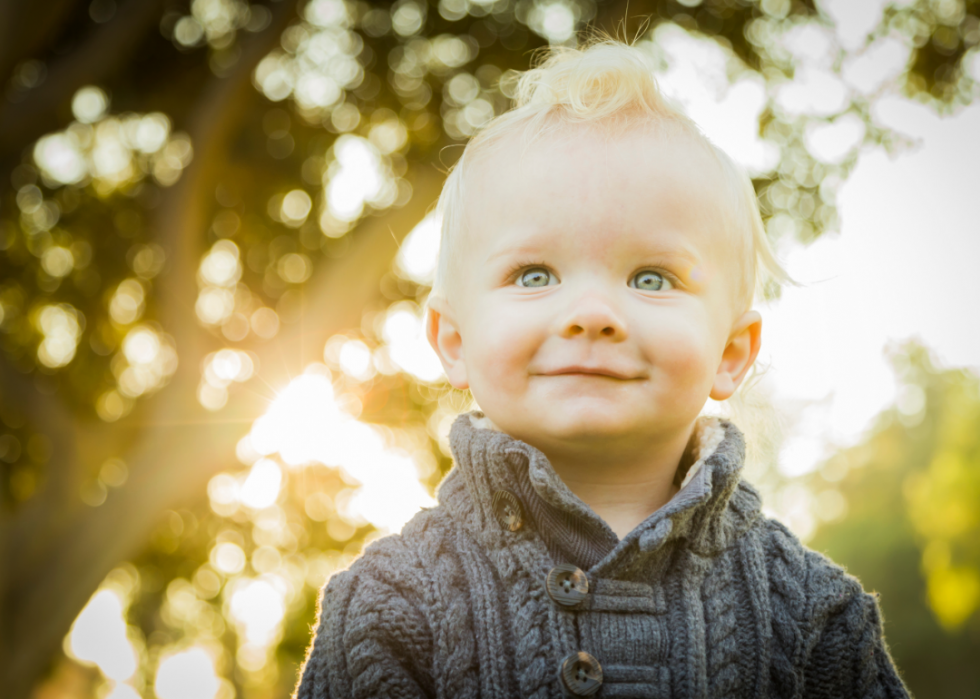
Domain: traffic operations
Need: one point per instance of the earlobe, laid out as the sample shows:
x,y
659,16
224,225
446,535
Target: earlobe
x,y
445,339
739,355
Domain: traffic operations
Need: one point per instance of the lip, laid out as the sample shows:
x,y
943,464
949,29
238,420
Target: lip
x,y
592,371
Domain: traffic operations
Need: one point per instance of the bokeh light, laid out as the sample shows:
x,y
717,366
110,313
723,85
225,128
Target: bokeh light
x,y
220,369
220,293
264,323
294,268
99,636
257,605
354,358
187,674
127,303
318,63
221,266
228,558
150,361
408,347
89,104
419,253
556,20
57,261
112,151
60,328
261,487
296,207
356,178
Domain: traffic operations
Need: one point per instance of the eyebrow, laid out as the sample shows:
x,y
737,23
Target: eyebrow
x,y
683,253
517,250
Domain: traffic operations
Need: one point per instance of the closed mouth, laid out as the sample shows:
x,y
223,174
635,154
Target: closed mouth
x,y
590,371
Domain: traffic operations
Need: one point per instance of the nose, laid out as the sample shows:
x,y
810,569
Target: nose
x,y
593,318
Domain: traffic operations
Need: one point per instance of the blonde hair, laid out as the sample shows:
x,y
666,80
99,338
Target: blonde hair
x,y
611,86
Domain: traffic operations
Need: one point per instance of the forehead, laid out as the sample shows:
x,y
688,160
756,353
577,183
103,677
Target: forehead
x,y
647,185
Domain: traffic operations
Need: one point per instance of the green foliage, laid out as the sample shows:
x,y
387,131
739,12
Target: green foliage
x,y
943,34
911,531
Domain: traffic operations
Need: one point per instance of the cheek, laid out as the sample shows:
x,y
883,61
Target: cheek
x,y
499,342
682,351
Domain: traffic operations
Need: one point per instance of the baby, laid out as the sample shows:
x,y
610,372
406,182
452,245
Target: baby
x,y
594,538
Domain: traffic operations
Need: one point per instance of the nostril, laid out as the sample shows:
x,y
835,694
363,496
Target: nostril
x,y
608,331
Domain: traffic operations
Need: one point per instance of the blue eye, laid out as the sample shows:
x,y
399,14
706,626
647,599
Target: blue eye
x,y
535,277
648,280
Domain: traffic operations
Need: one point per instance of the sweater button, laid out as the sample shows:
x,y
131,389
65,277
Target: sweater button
x,y
566,584
508,511
581,674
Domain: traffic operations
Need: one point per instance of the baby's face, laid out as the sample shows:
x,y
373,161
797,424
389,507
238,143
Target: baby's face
x,y
593,296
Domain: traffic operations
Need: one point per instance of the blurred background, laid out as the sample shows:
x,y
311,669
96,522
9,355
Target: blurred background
x,y
216,242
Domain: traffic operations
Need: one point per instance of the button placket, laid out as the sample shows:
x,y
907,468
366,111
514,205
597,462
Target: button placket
x,y
581,674
508,510
567,584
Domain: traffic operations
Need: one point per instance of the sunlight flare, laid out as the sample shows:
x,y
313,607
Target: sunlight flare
x,y
187,674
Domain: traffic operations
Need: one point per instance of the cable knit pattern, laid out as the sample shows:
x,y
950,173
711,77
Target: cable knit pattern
x,y
787,576
720,624
706,598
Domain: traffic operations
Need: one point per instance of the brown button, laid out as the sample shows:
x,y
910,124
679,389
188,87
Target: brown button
x,y
581,674
507,508
566,584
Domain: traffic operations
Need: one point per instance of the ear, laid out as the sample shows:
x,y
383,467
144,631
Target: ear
x,y
443,334
738,356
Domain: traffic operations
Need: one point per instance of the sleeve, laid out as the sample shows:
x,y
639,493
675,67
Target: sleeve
x,y
850,658
371,640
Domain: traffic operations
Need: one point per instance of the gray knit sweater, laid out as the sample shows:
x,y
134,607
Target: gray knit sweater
x,y
513,587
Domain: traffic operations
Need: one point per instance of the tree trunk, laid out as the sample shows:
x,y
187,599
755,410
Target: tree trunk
x,y
55,549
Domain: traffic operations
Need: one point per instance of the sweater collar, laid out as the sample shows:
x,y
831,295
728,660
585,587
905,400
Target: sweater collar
x,y
711,509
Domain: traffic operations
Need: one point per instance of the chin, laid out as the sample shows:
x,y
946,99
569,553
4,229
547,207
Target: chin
x,y
576,424
571,420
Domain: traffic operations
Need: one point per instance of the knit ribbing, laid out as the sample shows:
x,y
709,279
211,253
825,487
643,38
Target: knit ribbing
x,y
706,598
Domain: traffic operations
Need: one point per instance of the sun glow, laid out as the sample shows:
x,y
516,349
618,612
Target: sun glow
x,y
306,425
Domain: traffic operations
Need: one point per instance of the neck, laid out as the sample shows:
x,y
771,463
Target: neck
x,y
624,485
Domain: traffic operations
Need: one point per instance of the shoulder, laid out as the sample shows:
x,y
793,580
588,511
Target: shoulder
x,y
420,566
823,630
827,629
407,560
378,620
812,598
814,586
